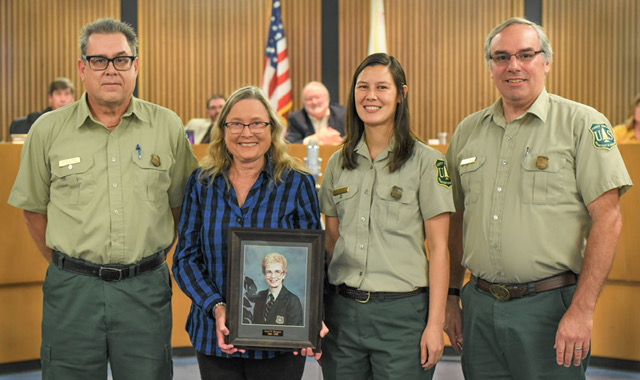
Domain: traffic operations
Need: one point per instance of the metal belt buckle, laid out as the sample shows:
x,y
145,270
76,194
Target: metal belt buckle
x,y
110,274
365,300
500,292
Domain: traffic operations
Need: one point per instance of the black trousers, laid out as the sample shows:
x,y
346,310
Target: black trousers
x,y
285,366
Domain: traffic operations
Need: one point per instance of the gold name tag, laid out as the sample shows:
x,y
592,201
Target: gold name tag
x,y
69,161
341,190
467,161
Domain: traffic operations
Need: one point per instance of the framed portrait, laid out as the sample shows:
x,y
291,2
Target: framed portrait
x,y
274,293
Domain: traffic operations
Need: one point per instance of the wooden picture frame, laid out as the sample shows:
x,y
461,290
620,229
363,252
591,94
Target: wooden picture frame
x,y
291,322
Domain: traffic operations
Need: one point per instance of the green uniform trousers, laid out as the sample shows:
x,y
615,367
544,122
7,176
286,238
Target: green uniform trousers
x,y
514,340
376,340
87,322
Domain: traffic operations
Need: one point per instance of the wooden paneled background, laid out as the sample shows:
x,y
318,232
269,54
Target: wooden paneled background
x,y
190,49
39,42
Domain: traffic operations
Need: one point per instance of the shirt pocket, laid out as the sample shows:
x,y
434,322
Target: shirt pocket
x,y
396,206
344,200
471,180
542,179
151,178
73,184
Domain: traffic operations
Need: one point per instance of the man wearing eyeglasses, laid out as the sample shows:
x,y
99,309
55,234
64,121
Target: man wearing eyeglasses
x,y
537,180
201,128
101,184
276,305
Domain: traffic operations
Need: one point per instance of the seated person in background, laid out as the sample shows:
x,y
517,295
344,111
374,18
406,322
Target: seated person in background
x,y
61,92
317,120
629,132
276,304
202,127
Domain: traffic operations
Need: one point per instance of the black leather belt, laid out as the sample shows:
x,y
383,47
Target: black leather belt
x,y
364,297
108,272
510,291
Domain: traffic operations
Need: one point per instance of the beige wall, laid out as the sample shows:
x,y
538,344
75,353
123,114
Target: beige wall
x,y
192,48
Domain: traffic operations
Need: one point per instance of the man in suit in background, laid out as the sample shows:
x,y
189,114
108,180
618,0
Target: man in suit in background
x,y
61,92
318,120
201,128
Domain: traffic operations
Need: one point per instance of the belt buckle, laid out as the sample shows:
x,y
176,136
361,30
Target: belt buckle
x,y
500,292
110,274
365,300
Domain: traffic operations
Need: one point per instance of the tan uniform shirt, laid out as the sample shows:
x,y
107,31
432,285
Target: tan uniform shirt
x,y
382,214
525,186
107,195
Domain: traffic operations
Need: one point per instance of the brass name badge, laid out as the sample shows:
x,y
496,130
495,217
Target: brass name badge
x,y
468,161
69,161
272,332
341,190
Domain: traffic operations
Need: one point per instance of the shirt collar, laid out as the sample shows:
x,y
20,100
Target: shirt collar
x,y
84,112
363,149
539,108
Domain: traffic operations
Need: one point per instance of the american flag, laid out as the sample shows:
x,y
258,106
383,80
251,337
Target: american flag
x,y
275,80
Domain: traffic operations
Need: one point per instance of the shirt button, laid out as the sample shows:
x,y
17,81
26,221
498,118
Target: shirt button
x,y
366,192
361,246
371,167
360,273
116,212
115,185
113,159
363,219
239,220
494,246
499,189
504,162
508,137
495,217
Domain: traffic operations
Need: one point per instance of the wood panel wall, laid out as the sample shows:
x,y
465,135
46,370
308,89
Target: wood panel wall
x,y
440,45
192,49
596,53
38,43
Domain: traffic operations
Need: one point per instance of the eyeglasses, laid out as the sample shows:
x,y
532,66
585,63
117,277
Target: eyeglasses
x,y
100,63
522,56
275,273
257,127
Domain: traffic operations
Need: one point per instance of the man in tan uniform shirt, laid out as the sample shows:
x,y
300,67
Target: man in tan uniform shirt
x,y
537,180
101,183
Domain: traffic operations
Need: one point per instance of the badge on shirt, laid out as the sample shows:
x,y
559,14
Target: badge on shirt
x,y
396,193
467,161
341,190
442,175
542,162
69,161
280,319
602,136
155,160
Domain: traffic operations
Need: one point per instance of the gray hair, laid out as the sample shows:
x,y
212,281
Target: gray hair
x,y
108,25
545,44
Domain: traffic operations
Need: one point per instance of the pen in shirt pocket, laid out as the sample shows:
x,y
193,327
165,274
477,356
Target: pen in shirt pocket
x,y
139,151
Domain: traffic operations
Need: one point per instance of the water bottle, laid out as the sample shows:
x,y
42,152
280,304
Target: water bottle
x,y
313,159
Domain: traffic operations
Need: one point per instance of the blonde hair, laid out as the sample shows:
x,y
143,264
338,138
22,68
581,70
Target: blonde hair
x,y
218,159
274,258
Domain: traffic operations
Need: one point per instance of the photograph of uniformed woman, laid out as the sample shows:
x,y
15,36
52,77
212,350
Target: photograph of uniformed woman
x,y
247,179
277,305
383,193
